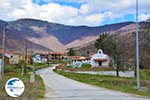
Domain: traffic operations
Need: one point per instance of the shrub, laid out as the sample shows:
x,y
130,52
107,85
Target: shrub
x,y
69,67
111,64
21,63
86,65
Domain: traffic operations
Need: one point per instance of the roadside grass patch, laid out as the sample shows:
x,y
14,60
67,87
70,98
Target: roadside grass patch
x,y
58,62
145,74
33,91
39,65
87,67
111,82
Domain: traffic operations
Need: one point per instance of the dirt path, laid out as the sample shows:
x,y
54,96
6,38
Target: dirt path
x,y
61,88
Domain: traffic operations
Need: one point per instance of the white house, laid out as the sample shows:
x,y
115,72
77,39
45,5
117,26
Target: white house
x,y
39,59
100,59
77,61
14,58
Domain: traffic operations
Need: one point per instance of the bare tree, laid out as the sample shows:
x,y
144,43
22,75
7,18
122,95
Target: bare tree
x,y
114,47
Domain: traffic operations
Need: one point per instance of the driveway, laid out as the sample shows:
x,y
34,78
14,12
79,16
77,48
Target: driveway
x,y
61,88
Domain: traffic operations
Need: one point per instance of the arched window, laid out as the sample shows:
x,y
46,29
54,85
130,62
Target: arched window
x,y
100,52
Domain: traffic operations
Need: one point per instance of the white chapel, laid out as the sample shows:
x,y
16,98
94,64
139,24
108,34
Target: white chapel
x,y
100,59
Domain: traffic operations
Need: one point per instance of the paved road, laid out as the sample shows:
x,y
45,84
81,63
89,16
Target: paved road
x,y
61,88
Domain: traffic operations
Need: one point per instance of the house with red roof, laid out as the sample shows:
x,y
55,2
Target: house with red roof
x,y
11,57
100,59
77,61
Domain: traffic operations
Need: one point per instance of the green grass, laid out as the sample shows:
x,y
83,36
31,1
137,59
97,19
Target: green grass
x,y
145,74
39,65
111,82
58,62
33,91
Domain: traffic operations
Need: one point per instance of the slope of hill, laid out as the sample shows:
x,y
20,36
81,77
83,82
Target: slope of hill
x,y
15,37
124,32
51,36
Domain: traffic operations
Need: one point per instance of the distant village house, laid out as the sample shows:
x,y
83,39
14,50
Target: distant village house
x,y
55,56
11,57
40,58
77,61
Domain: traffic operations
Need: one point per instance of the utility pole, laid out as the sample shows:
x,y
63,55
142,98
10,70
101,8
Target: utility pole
x,y
23,54
25,59
3,53
32,77
137,49
26,49
33,64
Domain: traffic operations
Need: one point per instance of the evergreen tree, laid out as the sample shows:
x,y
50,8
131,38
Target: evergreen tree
x,y
110,46
71,52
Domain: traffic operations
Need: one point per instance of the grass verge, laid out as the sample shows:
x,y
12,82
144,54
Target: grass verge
x,y
111,82
33,91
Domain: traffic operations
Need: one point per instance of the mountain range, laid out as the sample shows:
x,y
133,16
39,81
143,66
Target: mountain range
x,y
46,36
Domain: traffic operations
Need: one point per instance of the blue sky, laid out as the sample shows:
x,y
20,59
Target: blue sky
x,y
75,12
61,2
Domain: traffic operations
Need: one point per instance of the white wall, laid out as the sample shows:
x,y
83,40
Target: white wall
x,y
105,64
93,63
78,64
113,73
14,59
96,64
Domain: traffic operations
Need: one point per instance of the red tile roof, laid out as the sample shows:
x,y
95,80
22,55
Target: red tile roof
x,y
78,58
101,60
8,52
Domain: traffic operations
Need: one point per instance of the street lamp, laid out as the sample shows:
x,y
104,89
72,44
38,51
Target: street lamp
x,y
137,49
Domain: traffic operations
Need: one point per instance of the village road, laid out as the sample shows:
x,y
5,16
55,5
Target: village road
x,y
61,88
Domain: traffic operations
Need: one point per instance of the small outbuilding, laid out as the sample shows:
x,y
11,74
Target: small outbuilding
x,y
100,59
39,58
77,61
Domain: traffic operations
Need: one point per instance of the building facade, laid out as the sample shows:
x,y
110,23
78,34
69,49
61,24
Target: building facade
x,y
55,56
100,59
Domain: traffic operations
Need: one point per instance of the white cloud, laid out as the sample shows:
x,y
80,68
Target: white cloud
x,y
96,18
57,13
51,12
143,17
116,8
91,12
90,20
84,9
28,10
